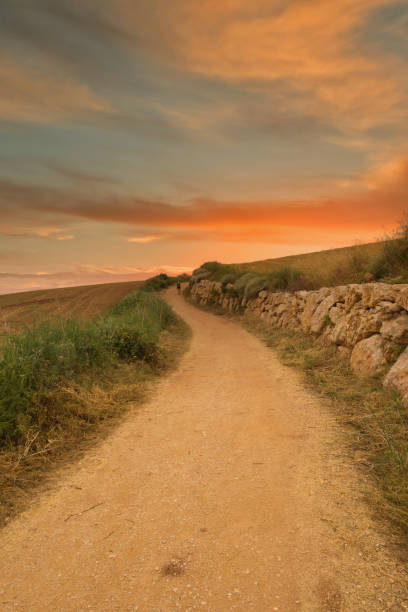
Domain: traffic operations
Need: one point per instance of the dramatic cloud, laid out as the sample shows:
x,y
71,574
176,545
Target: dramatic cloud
x,y
366,210
39,232
314,48
29,93
147,132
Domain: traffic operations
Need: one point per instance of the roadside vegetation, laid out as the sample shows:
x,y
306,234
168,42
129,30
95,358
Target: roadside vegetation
x,y
63,381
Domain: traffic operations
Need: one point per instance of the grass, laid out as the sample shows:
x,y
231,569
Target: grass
x,y
392,261
62,382
295,272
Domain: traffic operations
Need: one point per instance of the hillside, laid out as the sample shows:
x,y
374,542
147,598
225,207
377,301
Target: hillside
x,y
330,261
305,271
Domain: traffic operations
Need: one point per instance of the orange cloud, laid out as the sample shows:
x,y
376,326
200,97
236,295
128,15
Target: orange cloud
x,y
29,93
40,232
311,46
364,212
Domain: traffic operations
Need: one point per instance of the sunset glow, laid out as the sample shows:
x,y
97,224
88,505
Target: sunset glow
x,y
140,137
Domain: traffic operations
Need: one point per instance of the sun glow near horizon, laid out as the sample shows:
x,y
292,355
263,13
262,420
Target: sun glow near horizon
x,y
137,140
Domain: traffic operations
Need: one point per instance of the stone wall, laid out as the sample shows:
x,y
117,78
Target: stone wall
x,y
368,323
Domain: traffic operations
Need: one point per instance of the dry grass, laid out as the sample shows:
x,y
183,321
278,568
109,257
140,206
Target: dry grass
x,y
25,308
328,264
295,272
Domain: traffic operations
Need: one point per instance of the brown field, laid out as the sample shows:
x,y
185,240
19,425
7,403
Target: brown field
x,y
83,302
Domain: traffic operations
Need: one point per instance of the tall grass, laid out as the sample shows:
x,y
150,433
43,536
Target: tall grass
x,y
43,357
392,261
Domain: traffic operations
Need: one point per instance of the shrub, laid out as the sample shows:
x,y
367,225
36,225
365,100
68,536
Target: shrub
x,y
241,282
254,286
226,280
161,281
282,279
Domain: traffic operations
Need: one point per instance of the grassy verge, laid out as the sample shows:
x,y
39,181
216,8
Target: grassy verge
x,y
64,382
376,418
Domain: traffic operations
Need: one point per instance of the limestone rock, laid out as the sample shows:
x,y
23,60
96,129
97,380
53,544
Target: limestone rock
x,y
319,317
397,377
361,324
402,296
373,293
368,356
335,313
353,295
396,329
344,352
313,300
338,335
388,307
339,293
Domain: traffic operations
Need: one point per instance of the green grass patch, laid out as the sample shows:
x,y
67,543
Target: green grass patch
x,y
42,358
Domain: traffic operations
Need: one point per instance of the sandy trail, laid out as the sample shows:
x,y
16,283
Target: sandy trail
x,y
229,490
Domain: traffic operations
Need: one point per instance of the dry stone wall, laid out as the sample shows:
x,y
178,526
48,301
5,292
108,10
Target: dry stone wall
x,y
367,322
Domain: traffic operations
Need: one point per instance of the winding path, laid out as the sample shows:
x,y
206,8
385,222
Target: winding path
x,y
229,490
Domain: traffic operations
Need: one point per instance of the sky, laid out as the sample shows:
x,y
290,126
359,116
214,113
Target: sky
x,y
145,136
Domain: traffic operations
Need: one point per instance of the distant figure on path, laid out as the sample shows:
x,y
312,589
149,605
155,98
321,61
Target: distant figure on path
x,y
178,286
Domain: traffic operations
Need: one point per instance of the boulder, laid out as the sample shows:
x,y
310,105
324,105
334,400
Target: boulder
x,y
339,293
335,313
396,329
388,307
401,297
397,377
362,324
320,316
353,295
368,356
373,293
313,300
338,335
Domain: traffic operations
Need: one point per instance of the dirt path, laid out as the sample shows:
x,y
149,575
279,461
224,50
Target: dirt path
x,y
228,491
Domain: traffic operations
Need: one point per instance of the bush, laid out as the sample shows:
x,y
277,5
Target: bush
x,y
226,280
38,360
254,286
161,281
241,283
282,279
